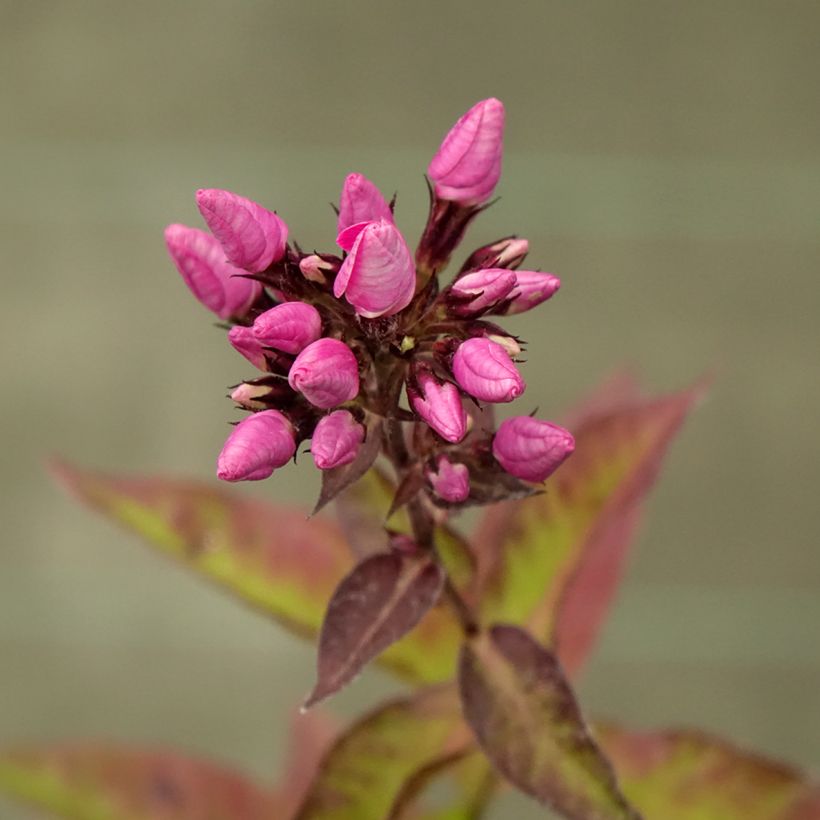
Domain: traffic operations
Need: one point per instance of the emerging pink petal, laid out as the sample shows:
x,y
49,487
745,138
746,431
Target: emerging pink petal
x,y
252,236
484,370
326,373
467,166
450,482
243,341
217,284
476,293
336,440
438,403
531,449
289,327
531,288
257,446
378,277
361,201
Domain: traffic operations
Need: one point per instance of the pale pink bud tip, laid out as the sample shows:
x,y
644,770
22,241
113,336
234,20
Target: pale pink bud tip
x,y
531,449
257,446
467,166
252,237
439,404
249,395
289,327
217,284
478,292
378,277
485,371
361,201
244,342
531,288
451,482
326,373
336,440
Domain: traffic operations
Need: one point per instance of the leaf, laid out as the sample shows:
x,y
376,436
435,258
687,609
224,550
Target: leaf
x,y
99,782
689,775
338,479
369,771
526,719
554,561
270,557
382,598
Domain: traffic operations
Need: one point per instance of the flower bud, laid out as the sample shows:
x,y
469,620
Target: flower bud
x,y
451,482
531,288
217,284
467,166
438,403
263,393
252,237
336,440
289,327
243,341
509,343
314,267
250,396
256,447
484,370
361,201
326,373
531,449
506,253
476,293
378,277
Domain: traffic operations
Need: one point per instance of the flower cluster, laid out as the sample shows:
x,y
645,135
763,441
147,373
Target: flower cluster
x,y
341,338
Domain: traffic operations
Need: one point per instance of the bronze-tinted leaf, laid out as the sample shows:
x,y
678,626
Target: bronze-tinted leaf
x,y
690,775
526,718
270,557
100,782
554,561
372,769
338,479
381,600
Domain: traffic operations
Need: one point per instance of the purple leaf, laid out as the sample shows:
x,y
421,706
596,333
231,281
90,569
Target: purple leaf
x,y
525,716
381,600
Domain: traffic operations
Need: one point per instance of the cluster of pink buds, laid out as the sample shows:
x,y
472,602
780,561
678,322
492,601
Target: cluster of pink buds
x,y
341,338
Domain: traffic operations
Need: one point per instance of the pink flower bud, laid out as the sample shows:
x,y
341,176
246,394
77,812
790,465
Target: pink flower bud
x,y
256,447
531,449
378,277
476,293
336,440
438,403
289,327
248,345
326,373
451,482
314,268
249,395
361,201
467,166
506,253
216,283
484,370
252,236
509,343
531,288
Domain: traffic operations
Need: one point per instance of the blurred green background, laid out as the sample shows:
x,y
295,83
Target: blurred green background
x,y
661,157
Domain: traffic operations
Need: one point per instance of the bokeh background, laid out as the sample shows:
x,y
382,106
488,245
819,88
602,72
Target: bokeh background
x,y
661,157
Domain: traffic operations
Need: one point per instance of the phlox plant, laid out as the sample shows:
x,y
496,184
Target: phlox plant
x,y
386,368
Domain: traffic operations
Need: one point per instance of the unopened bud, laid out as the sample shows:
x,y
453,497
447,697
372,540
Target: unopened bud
x,y
438,403
531,288
361,201
315,268
531,449
476,293
484,370
257,446
506,253
289,327
450,482
326,373
336,440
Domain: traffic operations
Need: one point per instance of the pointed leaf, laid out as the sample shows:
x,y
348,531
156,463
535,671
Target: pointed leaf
x,y
689,775
528,722
338,479
97,782
554,561
381,600
270,557
369,770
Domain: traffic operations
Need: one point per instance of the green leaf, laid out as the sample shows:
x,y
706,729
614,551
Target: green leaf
x,y
96,782
554,561
270,557
689,775
370,772
527,721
